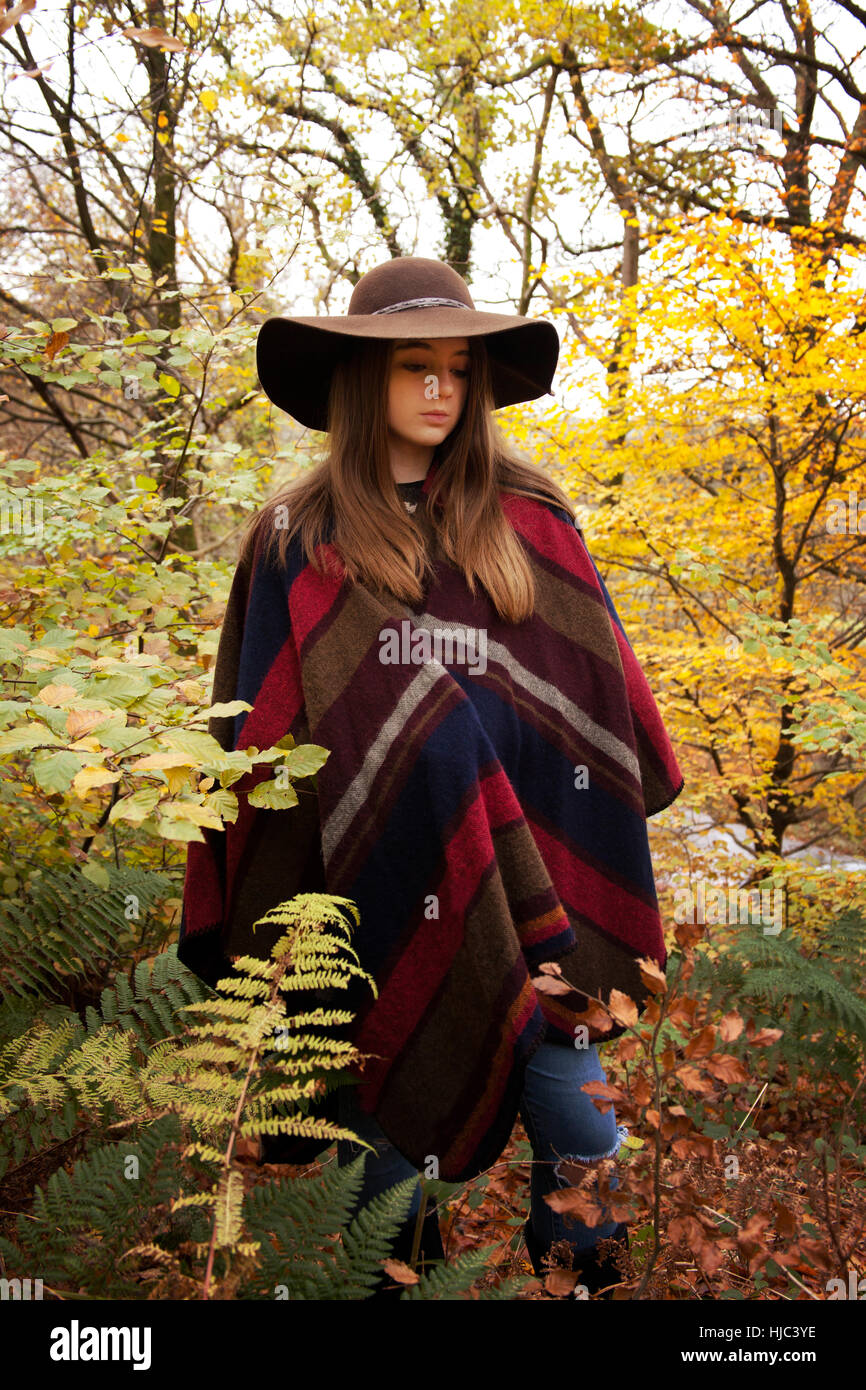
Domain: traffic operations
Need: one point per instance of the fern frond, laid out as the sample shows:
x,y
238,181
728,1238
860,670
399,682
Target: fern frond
x,y
60,926
455,1281
163,988
303,1258
82,1222
818,1002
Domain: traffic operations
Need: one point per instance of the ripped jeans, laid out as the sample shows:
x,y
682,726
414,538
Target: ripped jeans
x,y
560,1122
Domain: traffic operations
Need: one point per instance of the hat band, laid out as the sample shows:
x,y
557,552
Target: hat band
x,y
429,303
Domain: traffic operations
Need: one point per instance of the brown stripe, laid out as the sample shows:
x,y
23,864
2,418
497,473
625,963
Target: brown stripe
x,y
431,1071
330,663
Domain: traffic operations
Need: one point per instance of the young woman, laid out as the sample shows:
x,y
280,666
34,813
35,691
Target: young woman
x,y
422,604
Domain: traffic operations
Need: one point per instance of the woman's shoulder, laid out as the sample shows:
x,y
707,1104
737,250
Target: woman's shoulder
x,y
539,509
271,545
531,489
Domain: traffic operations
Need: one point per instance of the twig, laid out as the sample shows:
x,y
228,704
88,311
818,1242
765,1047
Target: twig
x,y
419,1223
791,1275
748,1112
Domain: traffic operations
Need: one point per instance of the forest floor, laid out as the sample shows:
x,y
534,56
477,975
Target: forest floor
x,y
779,1232
776,1176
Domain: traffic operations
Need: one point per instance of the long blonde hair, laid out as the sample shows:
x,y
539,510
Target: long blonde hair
x,y
352,490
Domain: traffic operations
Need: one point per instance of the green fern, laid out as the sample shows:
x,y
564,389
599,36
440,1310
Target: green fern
x,y
83,1224
61,1072
234,1081
297,1225
153,1009
845,942
60,927
367,1241
818,1003
294,1222
455,1281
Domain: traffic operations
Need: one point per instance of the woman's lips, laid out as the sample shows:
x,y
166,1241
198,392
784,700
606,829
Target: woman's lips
x,y
437,416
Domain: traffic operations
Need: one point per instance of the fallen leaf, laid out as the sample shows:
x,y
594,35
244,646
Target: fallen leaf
x,y
400,1272
560,1282
697,1146
730,1027
727,1068
786,1223
687,1231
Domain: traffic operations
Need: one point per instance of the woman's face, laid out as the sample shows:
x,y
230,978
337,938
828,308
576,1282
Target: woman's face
x,y
427,388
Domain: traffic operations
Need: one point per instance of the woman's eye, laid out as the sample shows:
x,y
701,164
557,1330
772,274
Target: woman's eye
x,y
422,367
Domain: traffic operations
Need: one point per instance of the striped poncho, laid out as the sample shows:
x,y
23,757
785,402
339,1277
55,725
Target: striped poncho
x,y
484,804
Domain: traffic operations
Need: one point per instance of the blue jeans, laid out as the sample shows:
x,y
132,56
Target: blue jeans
x,y
560,1122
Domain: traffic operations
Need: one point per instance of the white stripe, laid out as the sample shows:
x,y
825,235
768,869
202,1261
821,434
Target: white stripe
x,y
594,733
356,794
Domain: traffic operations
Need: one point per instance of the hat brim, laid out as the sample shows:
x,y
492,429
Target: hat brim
x,y
295,356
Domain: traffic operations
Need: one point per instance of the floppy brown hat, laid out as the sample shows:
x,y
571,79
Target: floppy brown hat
x,y
407,297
